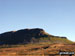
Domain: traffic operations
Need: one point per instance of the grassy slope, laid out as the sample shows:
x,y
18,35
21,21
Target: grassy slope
x,y
42,41
61,40
56,40
34,49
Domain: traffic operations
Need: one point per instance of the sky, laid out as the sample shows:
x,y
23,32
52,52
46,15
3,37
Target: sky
x,y
57,17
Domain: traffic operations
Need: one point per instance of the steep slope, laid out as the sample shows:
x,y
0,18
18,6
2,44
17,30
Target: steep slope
x,y
26,36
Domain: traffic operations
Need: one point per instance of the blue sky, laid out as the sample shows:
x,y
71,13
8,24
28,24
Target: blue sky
x,y
57,17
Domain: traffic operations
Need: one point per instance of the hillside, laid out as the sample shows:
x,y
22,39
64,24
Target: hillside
x,y
37,50
27,36
33,42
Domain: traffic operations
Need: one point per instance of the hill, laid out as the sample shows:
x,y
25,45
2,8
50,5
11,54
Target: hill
x,y
27,36
33,42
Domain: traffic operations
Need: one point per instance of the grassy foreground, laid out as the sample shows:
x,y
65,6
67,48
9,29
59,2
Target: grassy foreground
x,y
41,49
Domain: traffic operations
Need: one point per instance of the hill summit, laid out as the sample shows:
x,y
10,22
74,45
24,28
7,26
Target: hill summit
x,y
25,36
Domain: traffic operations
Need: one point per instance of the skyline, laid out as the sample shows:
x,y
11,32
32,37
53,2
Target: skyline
x,y
57,17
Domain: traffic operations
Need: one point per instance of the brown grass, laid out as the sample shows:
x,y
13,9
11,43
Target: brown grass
x,y
39,50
